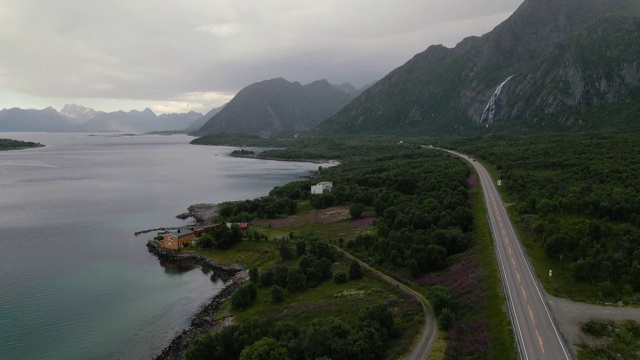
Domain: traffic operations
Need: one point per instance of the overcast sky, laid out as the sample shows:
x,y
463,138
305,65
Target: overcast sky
x,y
182,55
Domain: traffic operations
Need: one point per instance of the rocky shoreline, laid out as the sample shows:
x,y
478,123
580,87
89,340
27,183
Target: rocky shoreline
x,y
203,214
204,321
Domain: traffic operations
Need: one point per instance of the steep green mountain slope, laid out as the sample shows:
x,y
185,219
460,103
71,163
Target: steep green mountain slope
x,y
274,106
542,68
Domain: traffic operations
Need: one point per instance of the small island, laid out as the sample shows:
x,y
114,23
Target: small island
x,y
8,144
243,153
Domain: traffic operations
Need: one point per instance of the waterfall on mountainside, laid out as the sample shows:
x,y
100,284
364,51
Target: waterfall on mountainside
x,y
493,106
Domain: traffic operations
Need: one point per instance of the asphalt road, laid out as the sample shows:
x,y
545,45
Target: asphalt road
x,y
533,326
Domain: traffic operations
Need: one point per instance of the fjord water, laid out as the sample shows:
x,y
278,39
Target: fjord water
x,y
75,283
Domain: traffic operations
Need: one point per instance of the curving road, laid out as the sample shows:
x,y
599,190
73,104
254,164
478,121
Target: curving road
x,y
533,326
422,348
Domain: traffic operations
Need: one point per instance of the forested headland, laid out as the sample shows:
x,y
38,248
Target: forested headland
x,y
8,144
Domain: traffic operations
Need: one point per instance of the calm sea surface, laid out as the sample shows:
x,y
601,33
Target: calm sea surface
x,y
74,281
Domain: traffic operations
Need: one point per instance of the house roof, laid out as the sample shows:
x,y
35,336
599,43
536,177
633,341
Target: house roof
x,y
180,232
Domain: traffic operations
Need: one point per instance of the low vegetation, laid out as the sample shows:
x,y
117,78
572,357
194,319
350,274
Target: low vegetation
x,y
325,337
291,288
610,340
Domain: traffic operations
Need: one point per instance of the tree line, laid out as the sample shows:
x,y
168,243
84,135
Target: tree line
x,y
577,195
323,338
9,144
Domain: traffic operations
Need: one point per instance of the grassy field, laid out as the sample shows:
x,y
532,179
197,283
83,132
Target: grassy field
x,y
246,253
328,299
439,347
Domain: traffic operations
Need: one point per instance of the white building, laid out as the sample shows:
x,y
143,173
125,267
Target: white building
x,y
321,187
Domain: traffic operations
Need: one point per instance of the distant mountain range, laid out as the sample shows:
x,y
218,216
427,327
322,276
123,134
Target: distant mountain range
x,y
196,125
278,107
268,108
34,120
76,118
79,114
554,64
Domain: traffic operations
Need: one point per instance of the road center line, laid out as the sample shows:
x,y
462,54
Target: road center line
x,y
531,315
540,341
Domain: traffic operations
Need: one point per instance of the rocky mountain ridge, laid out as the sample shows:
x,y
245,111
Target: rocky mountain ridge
x,y
196,125
551,60
77,118
78,113
277,106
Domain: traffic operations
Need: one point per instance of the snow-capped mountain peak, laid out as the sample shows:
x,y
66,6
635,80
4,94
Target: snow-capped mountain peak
x,y
78,113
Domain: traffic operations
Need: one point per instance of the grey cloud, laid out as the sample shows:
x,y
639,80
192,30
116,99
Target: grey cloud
x,y
163,49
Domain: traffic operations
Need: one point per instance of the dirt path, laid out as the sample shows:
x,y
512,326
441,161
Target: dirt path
x,y
422,348
570,315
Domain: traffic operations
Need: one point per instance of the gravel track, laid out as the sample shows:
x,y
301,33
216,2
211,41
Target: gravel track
x,y
570,315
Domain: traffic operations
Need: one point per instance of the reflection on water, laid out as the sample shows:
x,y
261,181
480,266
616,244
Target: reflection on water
x,y
172,267
178,267
214,277
75,283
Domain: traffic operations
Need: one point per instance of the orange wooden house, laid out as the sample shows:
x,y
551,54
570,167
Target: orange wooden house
x,y
177,239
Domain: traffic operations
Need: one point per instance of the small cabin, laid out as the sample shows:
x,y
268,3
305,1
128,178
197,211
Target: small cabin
x,y
177,239
322,187
242,226
205,229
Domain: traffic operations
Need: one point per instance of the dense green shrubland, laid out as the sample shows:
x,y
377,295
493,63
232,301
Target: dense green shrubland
x,y
419,196
329,337
578,197
221,237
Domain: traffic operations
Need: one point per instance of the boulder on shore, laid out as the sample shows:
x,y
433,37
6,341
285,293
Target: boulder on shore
x,y
203,214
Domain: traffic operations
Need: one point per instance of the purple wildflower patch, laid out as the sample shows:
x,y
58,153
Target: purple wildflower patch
x,y
472,182
361,223
324,216
328,215
275,223
469,336
469,341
